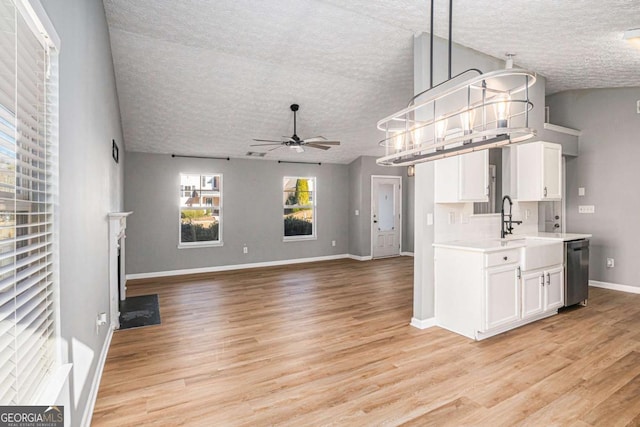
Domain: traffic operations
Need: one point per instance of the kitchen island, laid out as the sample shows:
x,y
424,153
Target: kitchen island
x,y
486,287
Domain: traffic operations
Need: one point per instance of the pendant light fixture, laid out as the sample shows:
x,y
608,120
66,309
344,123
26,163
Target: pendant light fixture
x,y
467,112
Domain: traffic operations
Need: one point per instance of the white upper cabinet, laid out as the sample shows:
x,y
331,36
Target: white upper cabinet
x,y
539,171
462,178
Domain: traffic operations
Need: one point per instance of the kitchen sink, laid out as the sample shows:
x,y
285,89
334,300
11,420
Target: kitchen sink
x,y
541,253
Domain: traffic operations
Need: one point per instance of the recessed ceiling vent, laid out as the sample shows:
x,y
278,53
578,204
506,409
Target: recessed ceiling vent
x,y
255,154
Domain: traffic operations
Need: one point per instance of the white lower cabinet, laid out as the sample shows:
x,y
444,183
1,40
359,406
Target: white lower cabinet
x,y
542,291
502,296
480,294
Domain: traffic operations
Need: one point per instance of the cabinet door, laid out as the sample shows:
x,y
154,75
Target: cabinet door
x,y
554,284
552,171
539,171
532,294
474,176
502,296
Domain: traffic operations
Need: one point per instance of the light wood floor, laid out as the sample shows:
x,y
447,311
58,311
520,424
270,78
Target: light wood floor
x,y
330,344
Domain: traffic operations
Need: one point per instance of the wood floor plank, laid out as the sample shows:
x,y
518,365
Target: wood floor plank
x,y
329,343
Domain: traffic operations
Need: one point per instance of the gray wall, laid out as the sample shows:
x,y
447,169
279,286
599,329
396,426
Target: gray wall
x,y
90,182
252,212
360,172
608,170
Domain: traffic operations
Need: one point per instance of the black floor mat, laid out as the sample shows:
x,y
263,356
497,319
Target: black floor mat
x,y
136,312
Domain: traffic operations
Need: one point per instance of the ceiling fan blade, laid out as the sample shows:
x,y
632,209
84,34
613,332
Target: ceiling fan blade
x,y
260,145
275,148
324,142
267,140
289,138
315,139
312,145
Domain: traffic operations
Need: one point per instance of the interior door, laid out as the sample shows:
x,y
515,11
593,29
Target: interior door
x,y
385,216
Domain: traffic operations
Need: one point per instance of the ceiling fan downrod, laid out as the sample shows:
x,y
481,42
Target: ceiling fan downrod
x,y
294,108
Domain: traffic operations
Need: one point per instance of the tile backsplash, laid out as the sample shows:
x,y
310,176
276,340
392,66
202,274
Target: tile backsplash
x,y
456,221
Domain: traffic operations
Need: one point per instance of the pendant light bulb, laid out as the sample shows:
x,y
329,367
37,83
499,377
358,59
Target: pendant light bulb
x,y
441,129
501,108
398,141
417,135
467,119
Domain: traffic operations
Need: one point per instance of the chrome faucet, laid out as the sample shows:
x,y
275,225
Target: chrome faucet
x,y
507,224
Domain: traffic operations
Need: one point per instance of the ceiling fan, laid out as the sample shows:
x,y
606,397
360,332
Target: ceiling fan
x,y
295,142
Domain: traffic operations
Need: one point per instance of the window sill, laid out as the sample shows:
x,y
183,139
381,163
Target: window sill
x,y
200,245
299,238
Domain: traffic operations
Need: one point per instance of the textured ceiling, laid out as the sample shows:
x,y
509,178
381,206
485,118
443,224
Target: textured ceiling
x,y
204,77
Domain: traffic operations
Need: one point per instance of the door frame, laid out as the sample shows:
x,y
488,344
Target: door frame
x,y
371,233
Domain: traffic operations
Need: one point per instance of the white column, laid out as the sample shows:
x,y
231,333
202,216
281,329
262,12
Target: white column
x,y
423,280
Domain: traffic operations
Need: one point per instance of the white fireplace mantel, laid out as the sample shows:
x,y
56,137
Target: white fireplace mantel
x,y
117,227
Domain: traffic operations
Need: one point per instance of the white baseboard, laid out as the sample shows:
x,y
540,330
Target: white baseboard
x,y
237,267
360,258
615,287
95,384
423,324
406,253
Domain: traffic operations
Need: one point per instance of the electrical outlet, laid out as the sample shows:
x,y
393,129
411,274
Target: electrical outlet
x,y
245,250
586,209
357,212
452,217
429,219
101,319
611,262
333,243
638,106
581,191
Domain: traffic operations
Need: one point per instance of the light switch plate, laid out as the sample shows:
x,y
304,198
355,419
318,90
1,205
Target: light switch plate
x,y
581,191
429,219
638,106
586,209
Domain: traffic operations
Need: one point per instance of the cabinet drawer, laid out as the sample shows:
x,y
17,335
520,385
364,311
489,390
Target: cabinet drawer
x,y
502,257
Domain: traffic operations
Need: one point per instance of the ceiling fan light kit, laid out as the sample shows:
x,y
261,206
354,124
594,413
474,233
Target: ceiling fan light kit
x,y
294,141
468,112
632,34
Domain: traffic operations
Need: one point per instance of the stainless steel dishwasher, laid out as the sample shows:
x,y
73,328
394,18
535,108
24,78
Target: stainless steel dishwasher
x,y
576,272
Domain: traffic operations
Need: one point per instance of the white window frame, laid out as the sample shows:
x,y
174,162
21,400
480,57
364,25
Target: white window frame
x,y
314,212
50,381
203,244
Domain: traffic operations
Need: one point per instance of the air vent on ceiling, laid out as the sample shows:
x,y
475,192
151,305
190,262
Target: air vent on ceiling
x,y
255,154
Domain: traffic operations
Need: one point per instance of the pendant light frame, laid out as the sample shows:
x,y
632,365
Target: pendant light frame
x,y
422,126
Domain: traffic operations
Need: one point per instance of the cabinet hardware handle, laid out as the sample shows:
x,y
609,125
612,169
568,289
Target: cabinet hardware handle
x,y
548,279
519,272
545,191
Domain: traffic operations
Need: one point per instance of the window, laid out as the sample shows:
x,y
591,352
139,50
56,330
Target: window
x,y
28,182
299,202
200,210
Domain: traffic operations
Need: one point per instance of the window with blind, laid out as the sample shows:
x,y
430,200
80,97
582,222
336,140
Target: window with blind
x,y
27,184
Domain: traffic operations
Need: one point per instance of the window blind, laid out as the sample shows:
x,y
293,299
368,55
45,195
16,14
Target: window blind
x,y
27,351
